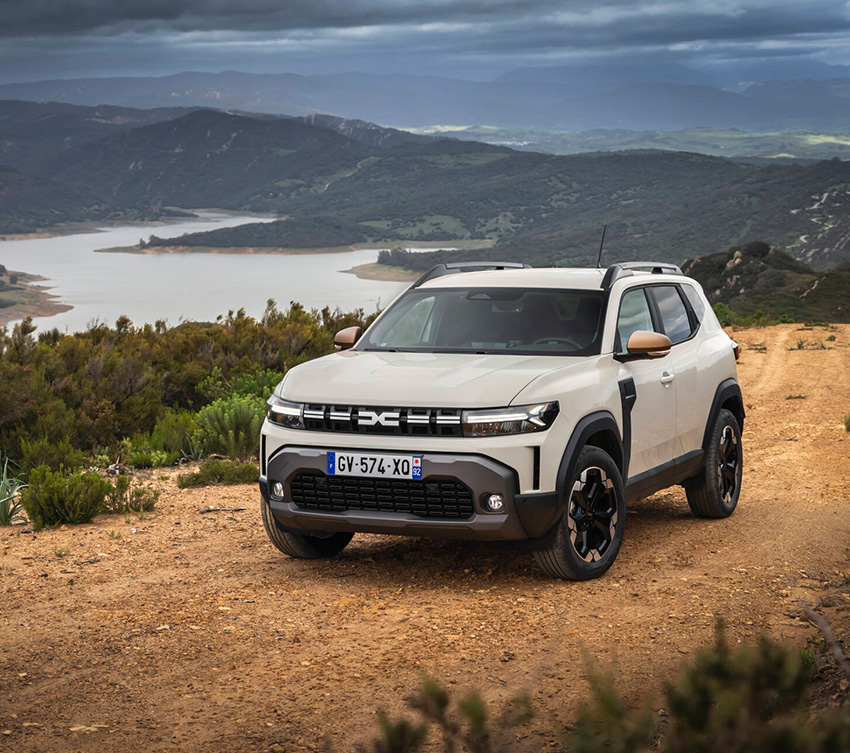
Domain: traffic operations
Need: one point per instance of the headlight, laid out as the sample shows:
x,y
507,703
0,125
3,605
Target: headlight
x,y
521,419
282,413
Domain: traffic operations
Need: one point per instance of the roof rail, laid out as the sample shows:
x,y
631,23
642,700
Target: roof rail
x,y
455,267
626,269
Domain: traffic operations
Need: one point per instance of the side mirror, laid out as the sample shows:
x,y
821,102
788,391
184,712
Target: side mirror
x,y
644,344
345,338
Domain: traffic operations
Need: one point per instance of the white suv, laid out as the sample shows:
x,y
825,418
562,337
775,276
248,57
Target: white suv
x,y
498,402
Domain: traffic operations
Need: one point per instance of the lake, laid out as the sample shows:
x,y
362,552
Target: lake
x,y
177,287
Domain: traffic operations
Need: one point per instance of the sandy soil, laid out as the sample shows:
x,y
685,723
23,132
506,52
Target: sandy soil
x,y
377,271
188,631
30,300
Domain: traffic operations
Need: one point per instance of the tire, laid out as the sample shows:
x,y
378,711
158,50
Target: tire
x,y
714,492
302,546
590,532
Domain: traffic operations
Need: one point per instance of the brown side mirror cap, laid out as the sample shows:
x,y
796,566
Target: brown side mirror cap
x,y
643,344
345,338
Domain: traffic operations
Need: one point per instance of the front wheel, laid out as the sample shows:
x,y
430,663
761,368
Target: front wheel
x,y
589,534
714,492
302,546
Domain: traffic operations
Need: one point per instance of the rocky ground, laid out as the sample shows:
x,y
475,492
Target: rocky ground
x,y
188,631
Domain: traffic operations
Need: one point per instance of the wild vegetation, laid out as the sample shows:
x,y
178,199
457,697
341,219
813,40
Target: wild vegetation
x,y
140,396
730,699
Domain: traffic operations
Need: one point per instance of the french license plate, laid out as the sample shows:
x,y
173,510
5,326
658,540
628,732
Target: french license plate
x,y
374,465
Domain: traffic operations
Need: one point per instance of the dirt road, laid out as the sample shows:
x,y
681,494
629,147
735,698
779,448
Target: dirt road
x,y
189,632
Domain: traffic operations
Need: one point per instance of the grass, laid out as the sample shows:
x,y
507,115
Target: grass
x,y
61,552
847,423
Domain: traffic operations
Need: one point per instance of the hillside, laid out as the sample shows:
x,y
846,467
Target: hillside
x,y
355,182
757,277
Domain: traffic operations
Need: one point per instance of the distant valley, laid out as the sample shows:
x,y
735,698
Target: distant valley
x,y
340,182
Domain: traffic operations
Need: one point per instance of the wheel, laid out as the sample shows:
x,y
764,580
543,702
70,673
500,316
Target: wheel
x,y
302,546
589,534
714,492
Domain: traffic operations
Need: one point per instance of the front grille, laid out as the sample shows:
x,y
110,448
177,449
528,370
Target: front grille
x,y
434,422
425,499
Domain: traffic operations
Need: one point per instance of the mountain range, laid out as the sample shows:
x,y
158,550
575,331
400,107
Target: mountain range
x,y
340,182
563,98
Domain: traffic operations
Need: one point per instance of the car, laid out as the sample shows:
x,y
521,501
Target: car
x,y
492,401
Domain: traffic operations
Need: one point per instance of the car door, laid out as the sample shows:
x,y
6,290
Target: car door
x,y
653,415
679,326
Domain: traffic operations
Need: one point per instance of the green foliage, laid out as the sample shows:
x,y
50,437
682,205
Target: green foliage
x,y
230,426
723,314
608,725
257,384
90,390
54,454
847,422
215,471
10,491
123,497
53,498
748,699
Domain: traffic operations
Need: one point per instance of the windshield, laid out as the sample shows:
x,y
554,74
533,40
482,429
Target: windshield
x,y
513,321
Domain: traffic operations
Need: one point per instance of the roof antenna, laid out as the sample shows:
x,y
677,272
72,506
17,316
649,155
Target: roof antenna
x,y
601,244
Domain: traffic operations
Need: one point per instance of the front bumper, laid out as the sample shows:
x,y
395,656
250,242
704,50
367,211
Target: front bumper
x,y
524,516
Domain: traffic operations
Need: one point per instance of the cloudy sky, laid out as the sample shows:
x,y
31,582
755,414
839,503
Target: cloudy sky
x,y
477,39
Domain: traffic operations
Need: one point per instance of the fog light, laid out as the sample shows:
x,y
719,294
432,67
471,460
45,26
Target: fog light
x,y
495,503
277,489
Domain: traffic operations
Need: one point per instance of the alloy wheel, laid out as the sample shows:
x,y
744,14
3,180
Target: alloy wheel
x,y
592,514
727,463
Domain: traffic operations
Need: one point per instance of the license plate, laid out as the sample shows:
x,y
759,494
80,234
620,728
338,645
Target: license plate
x,y
372,465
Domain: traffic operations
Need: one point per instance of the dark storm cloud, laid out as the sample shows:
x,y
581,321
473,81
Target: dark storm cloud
x,y
207,34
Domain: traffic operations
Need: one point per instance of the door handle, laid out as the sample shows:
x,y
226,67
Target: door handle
x,y
667,377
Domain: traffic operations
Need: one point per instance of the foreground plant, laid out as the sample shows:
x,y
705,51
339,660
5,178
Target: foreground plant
x,y
746,699
11,509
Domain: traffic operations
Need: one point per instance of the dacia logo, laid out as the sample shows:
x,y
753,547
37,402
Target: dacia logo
x,y
366,417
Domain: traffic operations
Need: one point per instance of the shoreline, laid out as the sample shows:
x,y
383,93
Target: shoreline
x,y
29,299
93,226
382,272
456,245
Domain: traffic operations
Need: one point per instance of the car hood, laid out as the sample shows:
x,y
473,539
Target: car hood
x,y
417,380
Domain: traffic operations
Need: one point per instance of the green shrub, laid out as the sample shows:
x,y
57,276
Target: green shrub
x,y
230,426
123,497
173,432
153,459
10,499
847,423
729,700
220,472
257,383
54,454
53,498
723,314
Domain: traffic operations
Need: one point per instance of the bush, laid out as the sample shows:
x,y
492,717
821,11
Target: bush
x,y
54,454
220,472
122,497
723,314
730,700
53,498
257,383
230,426
153,458
10,501
173,432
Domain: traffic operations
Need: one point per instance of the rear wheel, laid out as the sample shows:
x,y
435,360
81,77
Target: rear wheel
x,y
590,532
303,546
714,493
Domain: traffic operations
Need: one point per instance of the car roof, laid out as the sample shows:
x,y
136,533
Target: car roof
x,y
538,277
